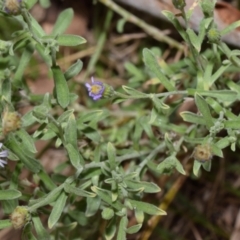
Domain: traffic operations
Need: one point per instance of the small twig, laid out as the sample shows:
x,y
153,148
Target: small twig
x,y
152,31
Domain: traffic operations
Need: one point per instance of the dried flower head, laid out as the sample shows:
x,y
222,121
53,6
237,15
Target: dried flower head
x,y
11,121
95,89
203,153
3,154
13,6
19,217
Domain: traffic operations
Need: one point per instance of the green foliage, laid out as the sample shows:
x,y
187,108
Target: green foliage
x,y
109,154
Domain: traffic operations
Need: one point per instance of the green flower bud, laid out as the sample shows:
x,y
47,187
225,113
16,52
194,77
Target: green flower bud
x,y
214,35
207,7
179,4
19,217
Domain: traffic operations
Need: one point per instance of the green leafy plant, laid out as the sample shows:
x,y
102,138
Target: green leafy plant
x,y
110,171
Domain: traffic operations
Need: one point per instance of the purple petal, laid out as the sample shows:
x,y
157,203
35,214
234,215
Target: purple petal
x,y
92,78
2,162
1,145
88,86
4,153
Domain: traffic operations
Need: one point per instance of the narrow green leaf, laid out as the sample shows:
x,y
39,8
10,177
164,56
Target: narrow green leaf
x,y
152,64
74,70
169,143
69,40
134,229
27,140
172,18
192,118
61,87
37,29
139,215
223,95
204,24
10,194
230,28
233,124
93,204
204,109
196,167
47,199
5,223
207,165
47,181
148,187
78,216
57,209
71,131
110,229
75,156
134,93
28,119
77,191
40,229
214,105
63,21
24,61
180,168
122,228
194,39
218,73
147,207
46,57
111,151
24,155
216,150
93,117
65,116
27,232
223,143
105,195
6,90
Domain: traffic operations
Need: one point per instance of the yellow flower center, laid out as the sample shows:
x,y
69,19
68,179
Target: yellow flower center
x,y
96,89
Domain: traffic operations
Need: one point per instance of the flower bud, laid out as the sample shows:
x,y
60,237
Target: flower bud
x,y
11,121
12,7
213,35
19,217
203,153
179,4
207,7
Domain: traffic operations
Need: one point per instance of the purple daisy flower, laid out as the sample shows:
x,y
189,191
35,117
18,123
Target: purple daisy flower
x,y
96,89
3,154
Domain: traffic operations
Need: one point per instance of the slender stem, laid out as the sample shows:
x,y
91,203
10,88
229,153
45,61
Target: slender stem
x,y
152,31
118,159
150,157
194,53
165,94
